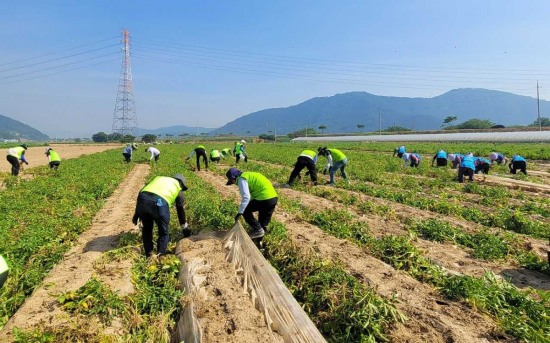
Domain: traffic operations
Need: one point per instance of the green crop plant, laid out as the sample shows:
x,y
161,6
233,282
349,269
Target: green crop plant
x,y
41,218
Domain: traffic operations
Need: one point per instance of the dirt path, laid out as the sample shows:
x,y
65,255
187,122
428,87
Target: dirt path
x,y
36,157
430,318
77,266
515,184
224,308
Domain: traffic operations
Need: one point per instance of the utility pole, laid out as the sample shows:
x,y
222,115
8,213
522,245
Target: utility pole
x,y
538,107
379,121
124,117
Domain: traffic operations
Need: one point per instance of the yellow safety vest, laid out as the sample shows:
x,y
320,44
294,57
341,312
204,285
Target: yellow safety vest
x,y
166,187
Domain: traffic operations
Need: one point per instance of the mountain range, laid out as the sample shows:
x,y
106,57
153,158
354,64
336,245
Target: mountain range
x,y
343,112
13,129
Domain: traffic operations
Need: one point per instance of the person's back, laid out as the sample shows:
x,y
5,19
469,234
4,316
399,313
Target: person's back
x,y
260,187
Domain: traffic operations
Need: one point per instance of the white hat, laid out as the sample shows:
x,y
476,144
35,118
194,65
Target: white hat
x,y
243,141
451,157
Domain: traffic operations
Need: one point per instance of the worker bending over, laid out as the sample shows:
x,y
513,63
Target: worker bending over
x,y
257,195
155,153
215,155
153,206
482,165
518,163
200,151
239,152
399,151
336,161
467,167
441,158
498,158
127,152
307,159
413,159
15,155
53,158
227,152
455,160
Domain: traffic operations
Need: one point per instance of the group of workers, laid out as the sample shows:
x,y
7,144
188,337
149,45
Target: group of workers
x,y
216,155
16,157
467,164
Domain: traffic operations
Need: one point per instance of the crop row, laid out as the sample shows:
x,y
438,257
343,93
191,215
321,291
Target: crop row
x,y
43,217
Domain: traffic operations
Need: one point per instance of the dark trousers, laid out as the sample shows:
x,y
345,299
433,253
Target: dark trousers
x,y
201,153
238,158
483,168
54,165
15,166
157,157
414,163
127,157
463,171
454,164
521,165
214,159
149,211
441,162
265,210
301,163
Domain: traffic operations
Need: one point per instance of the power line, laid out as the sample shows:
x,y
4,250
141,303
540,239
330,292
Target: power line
x,y
58,52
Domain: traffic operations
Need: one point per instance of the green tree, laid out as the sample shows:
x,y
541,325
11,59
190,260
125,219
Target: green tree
x,y
448,120
545,121
322,128
148,138
360,126
396,128
100,137
267,137
127,139
473,124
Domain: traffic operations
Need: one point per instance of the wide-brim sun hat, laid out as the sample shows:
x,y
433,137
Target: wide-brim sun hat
x,y
182,181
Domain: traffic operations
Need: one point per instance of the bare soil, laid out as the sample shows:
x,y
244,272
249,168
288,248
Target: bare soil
x,y
36,157
42,309
430,318
223,307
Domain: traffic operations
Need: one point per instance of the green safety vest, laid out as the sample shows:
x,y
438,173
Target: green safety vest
x,y
337,155
259,186
214,153
226,151
201,147
309,153
238,148
166,187
3,271
54,156
18,151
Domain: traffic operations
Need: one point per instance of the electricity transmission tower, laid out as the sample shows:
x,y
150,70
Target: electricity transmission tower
x,y
124,117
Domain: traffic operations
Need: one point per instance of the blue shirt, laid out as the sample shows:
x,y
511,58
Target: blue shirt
x,y
441,154
128,150
518,158
468,162
401,149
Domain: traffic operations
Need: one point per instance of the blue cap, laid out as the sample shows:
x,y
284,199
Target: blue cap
x,y
232,174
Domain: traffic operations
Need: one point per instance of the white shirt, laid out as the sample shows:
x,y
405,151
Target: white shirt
x,y
245,194
154,152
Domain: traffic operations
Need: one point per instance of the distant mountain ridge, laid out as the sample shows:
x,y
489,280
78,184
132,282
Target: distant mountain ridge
x,y
174,130
343,112
14,129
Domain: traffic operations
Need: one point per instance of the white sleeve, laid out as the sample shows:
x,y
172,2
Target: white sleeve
x,y
152,154
192,153
329,157
245,194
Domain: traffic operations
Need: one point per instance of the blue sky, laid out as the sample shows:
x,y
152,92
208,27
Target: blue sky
x,y
213,61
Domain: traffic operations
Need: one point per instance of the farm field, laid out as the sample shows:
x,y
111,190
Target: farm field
x,y
397,254
35,154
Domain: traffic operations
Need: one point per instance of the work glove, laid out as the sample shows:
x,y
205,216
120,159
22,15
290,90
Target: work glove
x,y
185,230
27,163
135,219
237,217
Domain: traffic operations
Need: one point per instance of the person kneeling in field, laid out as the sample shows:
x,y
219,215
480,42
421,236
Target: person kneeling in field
x,y
53,158
467,167
153,206
413,158
15,155
482,165
257,195
518,162
441,158
155,153
498,158
215,156
307,159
